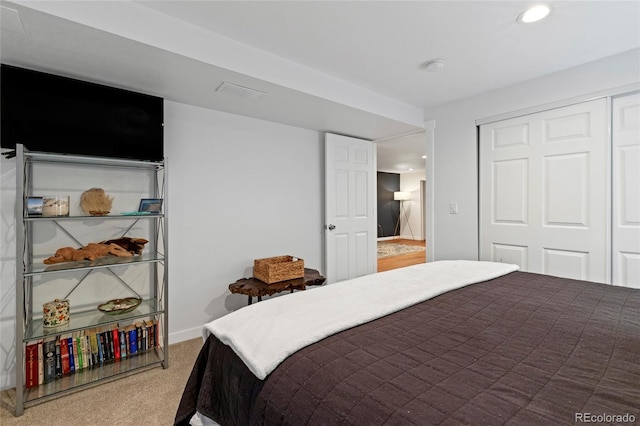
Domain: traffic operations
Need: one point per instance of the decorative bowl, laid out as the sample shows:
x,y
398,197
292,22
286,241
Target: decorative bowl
x,y
119,306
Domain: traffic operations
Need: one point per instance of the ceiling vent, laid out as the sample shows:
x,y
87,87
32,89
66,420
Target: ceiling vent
x,y
240,91
10,20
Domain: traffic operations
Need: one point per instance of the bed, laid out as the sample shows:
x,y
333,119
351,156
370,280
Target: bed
x,y
448,343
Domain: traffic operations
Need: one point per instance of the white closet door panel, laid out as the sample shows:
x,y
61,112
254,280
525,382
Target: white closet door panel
x,y
504,192
567,190
510,190
543,191
626,191
566,263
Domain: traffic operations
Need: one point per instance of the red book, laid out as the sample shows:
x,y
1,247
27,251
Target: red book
x,y
31,370
116,343
64,356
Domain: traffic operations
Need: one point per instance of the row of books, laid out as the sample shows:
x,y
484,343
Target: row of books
x,y
53,357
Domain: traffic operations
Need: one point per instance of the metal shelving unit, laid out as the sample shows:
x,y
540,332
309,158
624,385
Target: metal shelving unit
x,y
30,269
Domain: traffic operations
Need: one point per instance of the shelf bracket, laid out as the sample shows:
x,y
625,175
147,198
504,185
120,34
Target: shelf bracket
x,y
124,283
68,233
76,286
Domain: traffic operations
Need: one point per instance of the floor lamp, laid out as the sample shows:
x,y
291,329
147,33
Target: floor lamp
x,y
402,196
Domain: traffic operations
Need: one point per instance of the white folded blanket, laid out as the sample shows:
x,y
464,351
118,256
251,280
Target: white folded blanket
x,y
264,334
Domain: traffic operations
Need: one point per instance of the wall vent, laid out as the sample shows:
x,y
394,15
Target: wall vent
x,y
10,20
240,91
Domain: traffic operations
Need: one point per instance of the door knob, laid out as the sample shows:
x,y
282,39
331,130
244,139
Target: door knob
x,y
331,227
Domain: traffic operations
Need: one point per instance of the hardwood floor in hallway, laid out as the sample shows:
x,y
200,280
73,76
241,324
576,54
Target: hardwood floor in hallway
x,y
394,262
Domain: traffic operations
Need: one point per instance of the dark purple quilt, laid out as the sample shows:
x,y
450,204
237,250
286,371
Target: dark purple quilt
x,y
519,349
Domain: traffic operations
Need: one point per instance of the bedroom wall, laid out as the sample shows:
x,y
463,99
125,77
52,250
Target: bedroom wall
x,y
453,165
239,189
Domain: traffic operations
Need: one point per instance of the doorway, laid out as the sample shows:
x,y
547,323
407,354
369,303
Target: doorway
x,y
401,197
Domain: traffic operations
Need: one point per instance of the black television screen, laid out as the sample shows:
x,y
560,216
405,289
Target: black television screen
x,y
50,113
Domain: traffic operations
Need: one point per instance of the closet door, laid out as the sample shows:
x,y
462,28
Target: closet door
x,y
626,191
543,191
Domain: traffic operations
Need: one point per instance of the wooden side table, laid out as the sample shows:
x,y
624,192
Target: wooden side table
x,y
253,287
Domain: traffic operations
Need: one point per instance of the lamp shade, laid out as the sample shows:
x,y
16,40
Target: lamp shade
x,y
401,196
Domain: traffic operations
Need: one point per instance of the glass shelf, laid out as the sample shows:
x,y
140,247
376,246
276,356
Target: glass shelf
x,y
93,375
47,157
39,218
90,319
103,262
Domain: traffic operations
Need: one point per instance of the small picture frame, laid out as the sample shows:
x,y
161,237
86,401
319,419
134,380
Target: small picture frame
x,y
150,205
34,206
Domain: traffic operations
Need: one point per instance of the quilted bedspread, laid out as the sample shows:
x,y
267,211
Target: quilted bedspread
x,y
519,349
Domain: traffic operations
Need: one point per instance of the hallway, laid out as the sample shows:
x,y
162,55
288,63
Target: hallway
x,y
402,260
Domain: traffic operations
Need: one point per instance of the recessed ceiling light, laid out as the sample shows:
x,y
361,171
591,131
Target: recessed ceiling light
x,y
424,156
534,14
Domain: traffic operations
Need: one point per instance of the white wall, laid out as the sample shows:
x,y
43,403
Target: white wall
x,y
453,164
239,189
410,182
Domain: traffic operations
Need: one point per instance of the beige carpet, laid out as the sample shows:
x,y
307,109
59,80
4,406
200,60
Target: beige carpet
x,y
150,397
388,249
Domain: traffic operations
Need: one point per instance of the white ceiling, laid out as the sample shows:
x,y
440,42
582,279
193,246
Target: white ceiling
x,y
354,68
383,45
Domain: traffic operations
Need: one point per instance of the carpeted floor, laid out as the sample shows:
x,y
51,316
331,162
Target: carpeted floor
x,y
388,249
150,397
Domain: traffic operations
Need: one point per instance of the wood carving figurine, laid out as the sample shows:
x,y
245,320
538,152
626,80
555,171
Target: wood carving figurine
x,y
121,247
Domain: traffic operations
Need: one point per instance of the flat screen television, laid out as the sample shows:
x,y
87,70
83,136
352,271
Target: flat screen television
x,y
50,113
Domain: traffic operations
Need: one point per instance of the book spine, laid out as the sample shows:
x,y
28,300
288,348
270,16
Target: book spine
x,y
58,358
49,348
64,355
116,343
72,355
152,331
157,331
133,340
86,344
77,352
123,342
139,337
128,339
145,338
103,348
95,354
108,337
40,362
31,371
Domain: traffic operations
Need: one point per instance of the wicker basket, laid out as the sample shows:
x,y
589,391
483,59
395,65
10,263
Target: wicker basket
x,y
276,269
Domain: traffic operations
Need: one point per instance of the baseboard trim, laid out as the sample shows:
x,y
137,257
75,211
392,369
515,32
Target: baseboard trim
x,y
183,335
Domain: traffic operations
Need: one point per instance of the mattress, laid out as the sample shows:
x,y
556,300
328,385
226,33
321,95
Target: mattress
x,y
518,349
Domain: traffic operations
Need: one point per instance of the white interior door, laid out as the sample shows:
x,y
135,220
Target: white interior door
x,y
543,192
350,214
626,191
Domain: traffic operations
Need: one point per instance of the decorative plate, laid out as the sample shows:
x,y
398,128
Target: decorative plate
x,y
119,306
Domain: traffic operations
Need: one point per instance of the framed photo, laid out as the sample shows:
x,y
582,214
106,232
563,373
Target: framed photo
x,y
150,205
34,206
